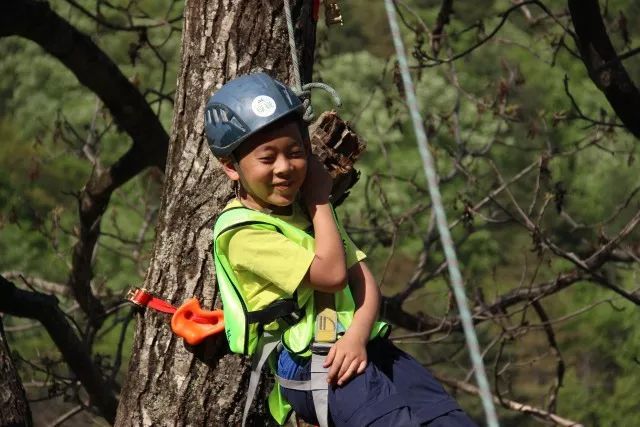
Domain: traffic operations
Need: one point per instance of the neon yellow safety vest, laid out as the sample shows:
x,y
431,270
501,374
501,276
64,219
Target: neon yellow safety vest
x,y
244,325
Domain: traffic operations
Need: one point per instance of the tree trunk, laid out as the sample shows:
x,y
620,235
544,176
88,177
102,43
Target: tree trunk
x,y
14,409
168,383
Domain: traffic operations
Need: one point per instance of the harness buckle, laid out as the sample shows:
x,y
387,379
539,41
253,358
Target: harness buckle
x,y
293,317
321,348
138,296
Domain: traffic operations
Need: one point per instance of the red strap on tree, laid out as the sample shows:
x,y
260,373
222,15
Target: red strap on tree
x,y
316,10
143,298
189,321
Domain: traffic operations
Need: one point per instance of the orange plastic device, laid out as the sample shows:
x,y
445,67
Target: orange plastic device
x,y
194,324
189,321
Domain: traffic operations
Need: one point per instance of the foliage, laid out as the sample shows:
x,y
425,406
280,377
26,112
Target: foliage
x,y
507,97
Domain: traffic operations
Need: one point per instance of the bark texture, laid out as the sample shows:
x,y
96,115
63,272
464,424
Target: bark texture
x,y
168,383
14,409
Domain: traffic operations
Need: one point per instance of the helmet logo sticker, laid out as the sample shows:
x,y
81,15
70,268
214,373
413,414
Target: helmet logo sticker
x,y
263,106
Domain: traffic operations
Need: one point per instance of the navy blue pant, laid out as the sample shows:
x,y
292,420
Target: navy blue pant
x,y
394,390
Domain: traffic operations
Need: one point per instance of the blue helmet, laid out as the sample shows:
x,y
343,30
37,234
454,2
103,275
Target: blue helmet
x,y
244,106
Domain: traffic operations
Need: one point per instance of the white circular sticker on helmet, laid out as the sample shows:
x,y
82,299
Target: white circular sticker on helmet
x,y
263,106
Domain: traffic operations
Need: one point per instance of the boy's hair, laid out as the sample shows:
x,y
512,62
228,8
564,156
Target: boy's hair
x,y
247,105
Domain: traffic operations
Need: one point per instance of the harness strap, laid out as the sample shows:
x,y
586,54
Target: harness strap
x,y
320,395
267,344
324,337
280,309
143,298
308,385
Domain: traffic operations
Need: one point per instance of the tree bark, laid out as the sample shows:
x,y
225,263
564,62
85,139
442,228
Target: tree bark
x,y
14,409
168,383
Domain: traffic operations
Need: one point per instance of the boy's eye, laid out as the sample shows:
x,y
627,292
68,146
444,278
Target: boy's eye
x,y
267,159
296,153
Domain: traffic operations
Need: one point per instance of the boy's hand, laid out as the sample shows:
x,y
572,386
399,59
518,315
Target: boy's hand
x,y
317,184
347,357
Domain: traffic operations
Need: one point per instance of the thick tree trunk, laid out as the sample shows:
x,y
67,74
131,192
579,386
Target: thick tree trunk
x,y
14,409
167,383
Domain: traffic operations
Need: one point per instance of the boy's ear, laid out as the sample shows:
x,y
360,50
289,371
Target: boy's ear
x,y
229,167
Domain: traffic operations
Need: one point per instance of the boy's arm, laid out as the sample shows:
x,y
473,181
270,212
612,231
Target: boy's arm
x,y
348,356
327,272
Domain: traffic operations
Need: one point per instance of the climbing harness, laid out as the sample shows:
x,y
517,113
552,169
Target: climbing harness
x,y
188,321
441,220
325,335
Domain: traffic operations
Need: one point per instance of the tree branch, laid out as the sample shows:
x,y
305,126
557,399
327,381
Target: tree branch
x,y
446,10
603,64
511,404
555,350
36,21
42,284
35,305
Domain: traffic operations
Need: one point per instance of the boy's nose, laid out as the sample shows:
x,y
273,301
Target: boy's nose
x,y
282,165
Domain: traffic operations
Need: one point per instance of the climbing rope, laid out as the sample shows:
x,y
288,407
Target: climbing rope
x,y
441,220
292,45
304,91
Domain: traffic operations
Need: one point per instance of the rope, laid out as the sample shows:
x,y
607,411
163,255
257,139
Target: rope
x,y
305,95
304,91
441,220
292,45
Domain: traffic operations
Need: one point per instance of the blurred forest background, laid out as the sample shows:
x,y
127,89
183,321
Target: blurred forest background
x,y
519,108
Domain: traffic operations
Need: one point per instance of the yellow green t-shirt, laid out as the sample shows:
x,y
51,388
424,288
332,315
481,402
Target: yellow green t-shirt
x,y
268,265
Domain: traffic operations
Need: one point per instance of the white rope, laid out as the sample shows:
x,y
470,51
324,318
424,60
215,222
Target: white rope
x,y
304,91
441,220
292,45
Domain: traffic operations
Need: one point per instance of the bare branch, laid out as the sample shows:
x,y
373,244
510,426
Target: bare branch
x,y
560,366
110,25
93,68
37,282
35,20
512,404
64,417
602,63
446,10
35,305
430,61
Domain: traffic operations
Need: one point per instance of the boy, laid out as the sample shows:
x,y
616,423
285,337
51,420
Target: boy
x,y
277,278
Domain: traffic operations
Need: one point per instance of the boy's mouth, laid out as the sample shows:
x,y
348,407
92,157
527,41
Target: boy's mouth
x,y
282,185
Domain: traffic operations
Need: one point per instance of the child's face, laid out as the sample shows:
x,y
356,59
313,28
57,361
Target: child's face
x,y
273,166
